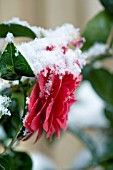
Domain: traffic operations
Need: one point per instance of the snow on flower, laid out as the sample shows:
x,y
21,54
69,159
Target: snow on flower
x,y
57,68
66,31
4,103
39,57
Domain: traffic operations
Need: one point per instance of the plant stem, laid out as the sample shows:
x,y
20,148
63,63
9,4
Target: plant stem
x,y
13,139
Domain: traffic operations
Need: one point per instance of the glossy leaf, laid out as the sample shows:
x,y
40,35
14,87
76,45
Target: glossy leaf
x,y
98,29
109,114
6,92
11,123
19,96
108,4
102,82
86,72
21,160
13,66
5,163
15,161
17,30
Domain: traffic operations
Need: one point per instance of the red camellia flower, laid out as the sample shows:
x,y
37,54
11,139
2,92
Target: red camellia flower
x,y
50,102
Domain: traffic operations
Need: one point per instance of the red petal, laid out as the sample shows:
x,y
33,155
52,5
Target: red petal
x,y
49,131
42,81
57,129
56,87
70,82
40,131
27,136
62,123
33,96
30,116
63,94
48,111
37,120
58,107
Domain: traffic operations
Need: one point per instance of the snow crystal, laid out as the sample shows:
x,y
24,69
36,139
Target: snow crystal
x,y
4,84
25,132
4,103
16,53
66,31
27,100
9,38
39,58
96,50
15,82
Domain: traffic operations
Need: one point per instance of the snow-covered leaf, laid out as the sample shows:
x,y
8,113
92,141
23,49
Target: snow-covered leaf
x,y
13,64
17,30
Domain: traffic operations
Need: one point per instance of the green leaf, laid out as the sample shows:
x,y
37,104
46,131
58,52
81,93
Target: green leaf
x,y
107,165
86,72
11,123
5,163
17,30
109,114
11,66
98,29
102,82
19,96
16,107
108,4
6,92
15,161
21,160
